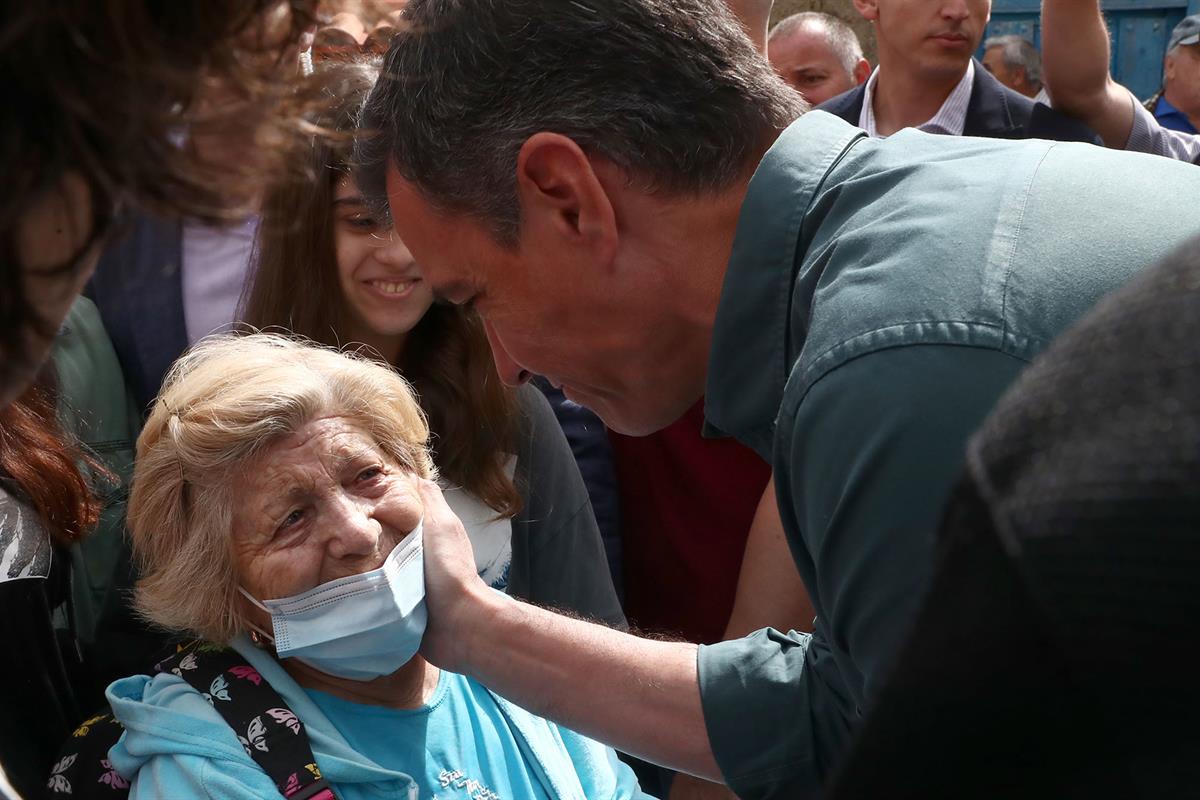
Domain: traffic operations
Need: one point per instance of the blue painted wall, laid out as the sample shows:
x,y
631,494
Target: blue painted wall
x,y
1139,28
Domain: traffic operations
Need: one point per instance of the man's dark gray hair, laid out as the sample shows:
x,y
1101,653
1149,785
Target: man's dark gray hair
x,y
840,37
1019,52
670,91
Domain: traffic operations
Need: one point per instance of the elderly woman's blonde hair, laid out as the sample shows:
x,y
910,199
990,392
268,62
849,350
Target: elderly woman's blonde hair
x,y
222,404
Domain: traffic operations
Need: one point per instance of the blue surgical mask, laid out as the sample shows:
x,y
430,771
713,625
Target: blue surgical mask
x,y
360,627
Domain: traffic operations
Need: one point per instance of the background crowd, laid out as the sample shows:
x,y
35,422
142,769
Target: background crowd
x,y
226,168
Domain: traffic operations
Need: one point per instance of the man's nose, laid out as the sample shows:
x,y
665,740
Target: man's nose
x,y
391,249
955,9
512,373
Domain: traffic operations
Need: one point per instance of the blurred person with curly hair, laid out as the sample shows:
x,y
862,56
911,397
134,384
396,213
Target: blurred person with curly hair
x,y
97,95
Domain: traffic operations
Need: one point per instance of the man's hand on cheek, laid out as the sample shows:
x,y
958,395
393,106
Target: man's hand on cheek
x,y
455,595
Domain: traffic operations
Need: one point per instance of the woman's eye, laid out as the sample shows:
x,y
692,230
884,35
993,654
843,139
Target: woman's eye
x,y
369,473
363,223
291,520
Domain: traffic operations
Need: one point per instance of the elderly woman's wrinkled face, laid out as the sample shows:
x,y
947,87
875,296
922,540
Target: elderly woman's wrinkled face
x,y
320,504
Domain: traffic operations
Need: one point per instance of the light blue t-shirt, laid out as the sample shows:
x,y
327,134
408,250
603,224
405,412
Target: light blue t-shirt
x,y
459,746
176,744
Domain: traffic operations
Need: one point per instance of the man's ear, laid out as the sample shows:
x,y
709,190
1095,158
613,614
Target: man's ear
x,y
557,186
868,9
862,71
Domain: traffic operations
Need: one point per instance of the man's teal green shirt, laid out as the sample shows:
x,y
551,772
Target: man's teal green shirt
x,y
880,296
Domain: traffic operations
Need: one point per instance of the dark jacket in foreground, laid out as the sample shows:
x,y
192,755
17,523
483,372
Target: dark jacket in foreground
x,y
1055,655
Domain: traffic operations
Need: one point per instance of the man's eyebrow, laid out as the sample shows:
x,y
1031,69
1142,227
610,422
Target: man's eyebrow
x,y
354,200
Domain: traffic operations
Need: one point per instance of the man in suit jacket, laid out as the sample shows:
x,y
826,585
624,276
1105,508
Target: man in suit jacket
x,y
162,285
139,290
928,79
818,55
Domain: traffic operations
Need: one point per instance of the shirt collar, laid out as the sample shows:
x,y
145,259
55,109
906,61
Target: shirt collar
x,y
748,365
1164,106
950,119
1171,117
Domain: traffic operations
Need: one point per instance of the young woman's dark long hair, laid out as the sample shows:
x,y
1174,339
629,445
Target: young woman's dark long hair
x,y
446,356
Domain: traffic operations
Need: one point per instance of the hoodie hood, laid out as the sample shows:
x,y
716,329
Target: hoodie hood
x,y
164,716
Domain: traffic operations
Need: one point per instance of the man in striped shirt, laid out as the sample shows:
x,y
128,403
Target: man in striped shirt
x,y
1076,52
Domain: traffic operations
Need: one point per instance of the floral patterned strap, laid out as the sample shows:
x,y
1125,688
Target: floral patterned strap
x,y
269,731
83,769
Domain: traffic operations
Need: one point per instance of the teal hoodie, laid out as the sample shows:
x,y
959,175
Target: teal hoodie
x,y
177,745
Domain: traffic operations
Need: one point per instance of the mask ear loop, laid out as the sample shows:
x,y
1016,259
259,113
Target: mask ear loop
x,y
258,636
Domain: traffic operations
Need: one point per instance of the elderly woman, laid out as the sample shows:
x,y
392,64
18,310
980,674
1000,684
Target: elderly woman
x,y
276,507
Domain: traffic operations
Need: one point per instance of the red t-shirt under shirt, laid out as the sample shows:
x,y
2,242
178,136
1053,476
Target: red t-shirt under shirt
x,y
686,507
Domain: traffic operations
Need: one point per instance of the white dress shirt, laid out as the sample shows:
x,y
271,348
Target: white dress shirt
x,y
950,119
215,264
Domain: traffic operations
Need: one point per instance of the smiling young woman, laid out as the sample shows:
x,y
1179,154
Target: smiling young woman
x,y
323,266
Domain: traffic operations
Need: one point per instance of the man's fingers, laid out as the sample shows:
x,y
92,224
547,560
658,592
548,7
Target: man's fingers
x,y
443,529
434,502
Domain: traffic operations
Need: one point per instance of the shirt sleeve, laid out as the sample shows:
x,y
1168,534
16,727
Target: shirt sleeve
x,y
558,557
1148,136
863,469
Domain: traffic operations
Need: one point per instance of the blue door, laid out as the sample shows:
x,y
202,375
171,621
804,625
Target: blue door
x,y
1139,29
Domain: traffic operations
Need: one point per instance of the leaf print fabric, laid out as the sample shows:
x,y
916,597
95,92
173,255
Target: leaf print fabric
x,y
59,785
256,734
84,769
248,704
86,727
217,690
254,711
188,662
25,550
285,718
246,673
58,782
112,777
